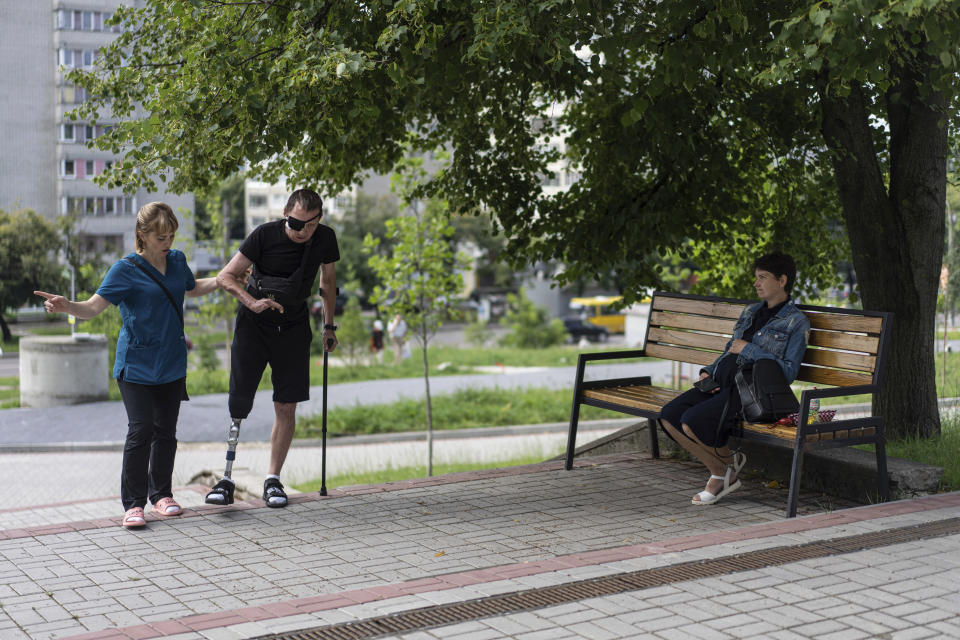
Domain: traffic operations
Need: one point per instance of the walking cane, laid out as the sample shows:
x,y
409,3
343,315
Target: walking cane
x,y
323,422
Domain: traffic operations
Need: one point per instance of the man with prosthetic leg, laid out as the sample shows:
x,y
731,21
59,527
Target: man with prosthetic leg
x,y
273,326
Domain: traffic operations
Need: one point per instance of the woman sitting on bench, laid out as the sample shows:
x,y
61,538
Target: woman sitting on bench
x,y
773,328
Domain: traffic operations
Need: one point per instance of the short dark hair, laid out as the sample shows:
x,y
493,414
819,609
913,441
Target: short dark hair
x,y
779,264
309,199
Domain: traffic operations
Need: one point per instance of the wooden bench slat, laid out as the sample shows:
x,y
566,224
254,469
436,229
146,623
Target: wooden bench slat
x,y
840,360
833,377
680,321
638,396
681,354
687,339
789,432
849,341
844,322
699,307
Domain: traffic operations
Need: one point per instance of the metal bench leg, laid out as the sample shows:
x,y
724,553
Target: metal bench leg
x,y
572,434
883,478
653,425
793,495
574,414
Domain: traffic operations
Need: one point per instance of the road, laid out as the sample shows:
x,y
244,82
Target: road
x,y
205,419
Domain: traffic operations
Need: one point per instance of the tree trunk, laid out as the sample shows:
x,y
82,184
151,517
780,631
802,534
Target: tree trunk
x,y
896,236
7,336
426,382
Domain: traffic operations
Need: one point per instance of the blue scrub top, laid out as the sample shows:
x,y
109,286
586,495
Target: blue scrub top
x,y
151,348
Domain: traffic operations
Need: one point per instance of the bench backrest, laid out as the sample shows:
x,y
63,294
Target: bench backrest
x,y
846,346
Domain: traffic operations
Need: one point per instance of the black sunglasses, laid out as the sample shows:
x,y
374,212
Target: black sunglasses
x,y
297,224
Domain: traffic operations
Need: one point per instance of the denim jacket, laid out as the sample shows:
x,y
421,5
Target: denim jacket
x,y
783,338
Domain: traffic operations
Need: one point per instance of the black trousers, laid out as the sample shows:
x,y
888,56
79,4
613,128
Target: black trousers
x,y
151,446
701,412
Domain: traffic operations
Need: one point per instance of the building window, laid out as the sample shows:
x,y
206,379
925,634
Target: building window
x,y
68,169
66,58
278,200
67,133
111,204
90,132
64,19
88,169
70,94
88,20
549,180
257,201
89,57
113,243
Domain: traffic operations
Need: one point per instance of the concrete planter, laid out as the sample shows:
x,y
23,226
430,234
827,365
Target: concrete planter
x,y
59,370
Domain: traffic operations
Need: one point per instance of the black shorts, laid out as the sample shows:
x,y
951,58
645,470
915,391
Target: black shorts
x,y
701,412
285,349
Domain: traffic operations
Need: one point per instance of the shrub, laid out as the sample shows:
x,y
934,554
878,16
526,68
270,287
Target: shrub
x,y
530,325
477,333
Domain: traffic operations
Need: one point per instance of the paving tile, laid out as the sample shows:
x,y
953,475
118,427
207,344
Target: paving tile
x,y
233,559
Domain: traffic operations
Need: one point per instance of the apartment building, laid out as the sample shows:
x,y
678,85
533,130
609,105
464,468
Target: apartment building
x,y
45,163
265,201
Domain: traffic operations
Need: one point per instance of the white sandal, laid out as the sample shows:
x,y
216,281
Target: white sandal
x,y
705,497
739,460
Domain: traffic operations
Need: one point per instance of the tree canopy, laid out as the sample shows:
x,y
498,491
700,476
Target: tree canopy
x,y
28,249
710,130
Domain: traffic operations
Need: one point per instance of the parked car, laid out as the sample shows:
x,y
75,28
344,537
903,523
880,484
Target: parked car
x,y
317,305
578,328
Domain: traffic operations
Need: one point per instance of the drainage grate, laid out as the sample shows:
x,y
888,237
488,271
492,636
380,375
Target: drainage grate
x,y
504,604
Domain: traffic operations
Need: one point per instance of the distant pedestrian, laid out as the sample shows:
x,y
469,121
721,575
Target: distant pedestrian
x,y
398,337
376,339
151,361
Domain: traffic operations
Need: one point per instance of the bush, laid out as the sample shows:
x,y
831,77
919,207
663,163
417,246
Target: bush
x,y
477,333
530,325
353,336
206,351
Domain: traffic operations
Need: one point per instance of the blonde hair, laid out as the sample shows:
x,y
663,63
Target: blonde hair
x,y
154,217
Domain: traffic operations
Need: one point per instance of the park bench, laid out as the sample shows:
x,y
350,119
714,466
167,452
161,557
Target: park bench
x,y
845,351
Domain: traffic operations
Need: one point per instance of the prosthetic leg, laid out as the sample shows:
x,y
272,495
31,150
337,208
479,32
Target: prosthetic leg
x,y
222,492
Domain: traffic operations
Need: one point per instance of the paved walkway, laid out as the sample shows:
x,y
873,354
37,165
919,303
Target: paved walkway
x,y
89,480
501,551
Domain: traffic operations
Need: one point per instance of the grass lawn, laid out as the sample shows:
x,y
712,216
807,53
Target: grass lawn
x,y
9,393
449,360
12,345
391,474
465,409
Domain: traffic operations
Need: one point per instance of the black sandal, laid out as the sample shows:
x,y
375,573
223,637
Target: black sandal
x,y
273,493
222,493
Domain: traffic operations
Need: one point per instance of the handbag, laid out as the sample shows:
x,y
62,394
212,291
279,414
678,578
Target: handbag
x,y
765,394
284,290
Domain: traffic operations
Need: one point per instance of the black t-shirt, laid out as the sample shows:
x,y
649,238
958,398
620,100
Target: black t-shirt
x,y
273,253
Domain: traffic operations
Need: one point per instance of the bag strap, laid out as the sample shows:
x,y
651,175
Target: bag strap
x,y
160,284
300,270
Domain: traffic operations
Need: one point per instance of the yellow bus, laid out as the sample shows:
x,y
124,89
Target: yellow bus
x,y
599,313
